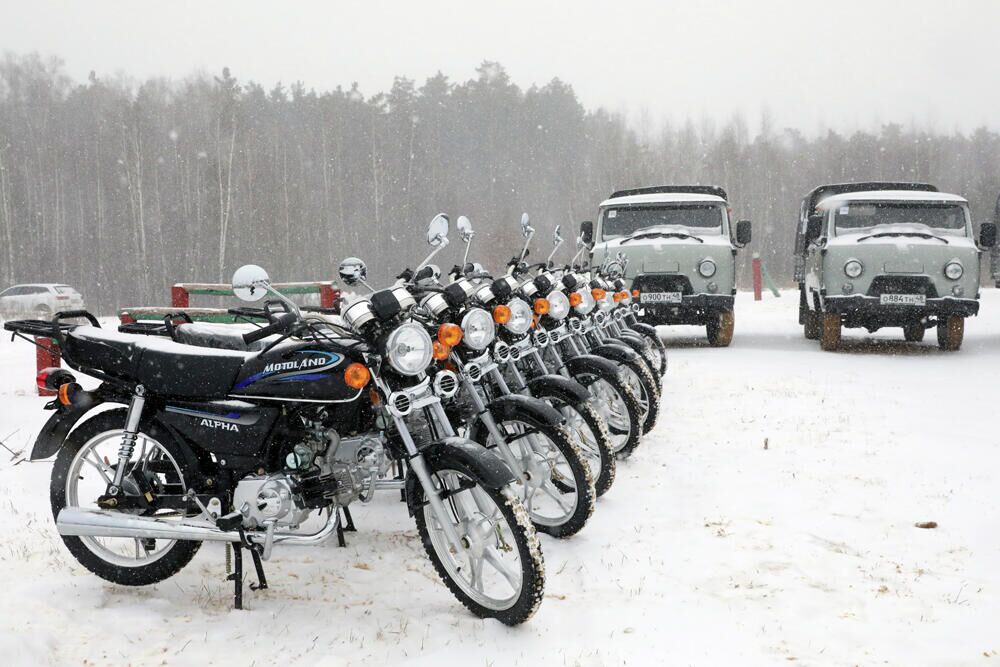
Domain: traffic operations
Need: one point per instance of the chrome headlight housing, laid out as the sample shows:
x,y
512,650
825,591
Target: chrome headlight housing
x,y
558,305
853,269
607,303
706,268
409,349
520,316
953,270
587,301
478,329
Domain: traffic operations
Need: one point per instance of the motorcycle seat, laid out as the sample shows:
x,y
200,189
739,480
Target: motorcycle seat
x,y
219,336
163,366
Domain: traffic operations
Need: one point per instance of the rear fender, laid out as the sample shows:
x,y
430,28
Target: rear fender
x,y
460,455
54,433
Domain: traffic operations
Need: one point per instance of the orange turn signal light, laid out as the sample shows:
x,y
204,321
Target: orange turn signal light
x,y
66,392
598,293
450,334
541,306
441,351
635,293
501,314
356,375
575,299
617,297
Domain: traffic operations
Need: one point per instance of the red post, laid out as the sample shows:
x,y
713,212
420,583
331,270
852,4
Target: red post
x,y
46,356
756,277
179,297
328,296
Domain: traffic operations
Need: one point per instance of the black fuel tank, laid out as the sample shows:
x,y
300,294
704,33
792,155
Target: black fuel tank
x,y
301,371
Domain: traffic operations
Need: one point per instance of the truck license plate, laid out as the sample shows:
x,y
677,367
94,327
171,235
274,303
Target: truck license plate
x,y
660,297
903,300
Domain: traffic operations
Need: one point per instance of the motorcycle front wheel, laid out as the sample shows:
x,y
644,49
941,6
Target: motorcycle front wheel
x,y
618,404
499,573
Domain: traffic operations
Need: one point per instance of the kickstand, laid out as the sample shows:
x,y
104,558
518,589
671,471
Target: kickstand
x,y
259,566
341,528
236,575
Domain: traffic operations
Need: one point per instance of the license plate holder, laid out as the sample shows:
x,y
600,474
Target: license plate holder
x,y
660,297
903,299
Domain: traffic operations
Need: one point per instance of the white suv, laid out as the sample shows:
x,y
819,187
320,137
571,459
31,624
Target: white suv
x,y
40,300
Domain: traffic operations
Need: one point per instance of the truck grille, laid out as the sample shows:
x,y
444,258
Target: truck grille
x,y
902,285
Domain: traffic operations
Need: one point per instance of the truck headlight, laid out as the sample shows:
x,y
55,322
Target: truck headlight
x,y
408,349
953,270
478,328
706,268
853,268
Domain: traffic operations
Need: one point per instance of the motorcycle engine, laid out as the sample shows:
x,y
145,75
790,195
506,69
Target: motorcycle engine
x,y
356,462
263,499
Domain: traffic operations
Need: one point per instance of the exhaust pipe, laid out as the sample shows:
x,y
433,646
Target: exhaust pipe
x,y
101,523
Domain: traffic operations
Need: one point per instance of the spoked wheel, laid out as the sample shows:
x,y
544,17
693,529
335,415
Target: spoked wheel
x,y
556,484
498,572
590,433
658,355
618,404
646,388
84,468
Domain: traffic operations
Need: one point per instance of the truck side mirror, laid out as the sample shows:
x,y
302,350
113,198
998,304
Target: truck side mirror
x,y
587,233
988,235
744,232
814,227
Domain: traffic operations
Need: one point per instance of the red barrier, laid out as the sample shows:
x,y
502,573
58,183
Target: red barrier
x,y
46,356
328,296
757,286
179,297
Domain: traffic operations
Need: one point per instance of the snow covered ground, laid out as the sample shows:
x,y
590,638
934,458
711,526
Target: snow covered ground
x,y
769,518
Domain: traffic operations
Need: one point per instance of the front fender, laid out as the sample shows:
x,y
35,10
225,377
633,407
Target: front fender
x,y
591,364
566,390
54,433
528,409
461,455
634,341
616,352
647,330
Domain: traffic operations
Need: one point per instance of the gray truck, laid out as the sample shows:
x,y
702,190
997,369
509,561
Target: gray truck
x,y
876,255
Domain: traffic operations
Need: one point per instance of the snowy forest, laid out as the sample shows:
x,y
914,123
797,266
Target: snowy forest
x,y
122,188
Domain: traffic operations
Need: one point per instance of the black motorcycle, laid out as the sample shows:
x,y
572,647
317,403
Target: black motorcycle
x,y
265,439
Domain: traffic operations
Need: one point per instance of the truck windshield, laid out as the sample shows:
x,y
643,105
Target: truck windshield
x,y
864,216
626,220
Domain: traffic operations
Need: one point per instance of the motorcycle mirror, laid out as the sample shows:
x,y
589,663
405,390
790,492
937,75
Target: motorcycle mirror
x,y
353,270
250,283
525,227
464,227
437,230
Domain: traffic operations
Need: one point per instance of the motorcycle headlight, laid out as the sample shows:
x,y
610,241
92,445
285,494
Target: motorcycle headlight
x,y
478,327
706,268
409,349
853,268
558,305
520,316
607,303
587,302
953,270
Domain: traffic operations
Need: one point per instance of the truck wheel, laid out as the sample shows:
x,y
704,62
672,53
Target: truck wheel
x,y
950,333
914,333
720,329
813,325
830,339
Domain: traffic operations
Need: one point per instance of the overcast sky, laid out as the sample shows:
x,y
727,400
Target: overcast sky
x,y
845,64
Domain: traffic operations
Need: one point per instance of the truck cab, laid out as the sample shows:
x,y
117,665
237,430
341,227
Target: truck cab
x,y
875,255
681,245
